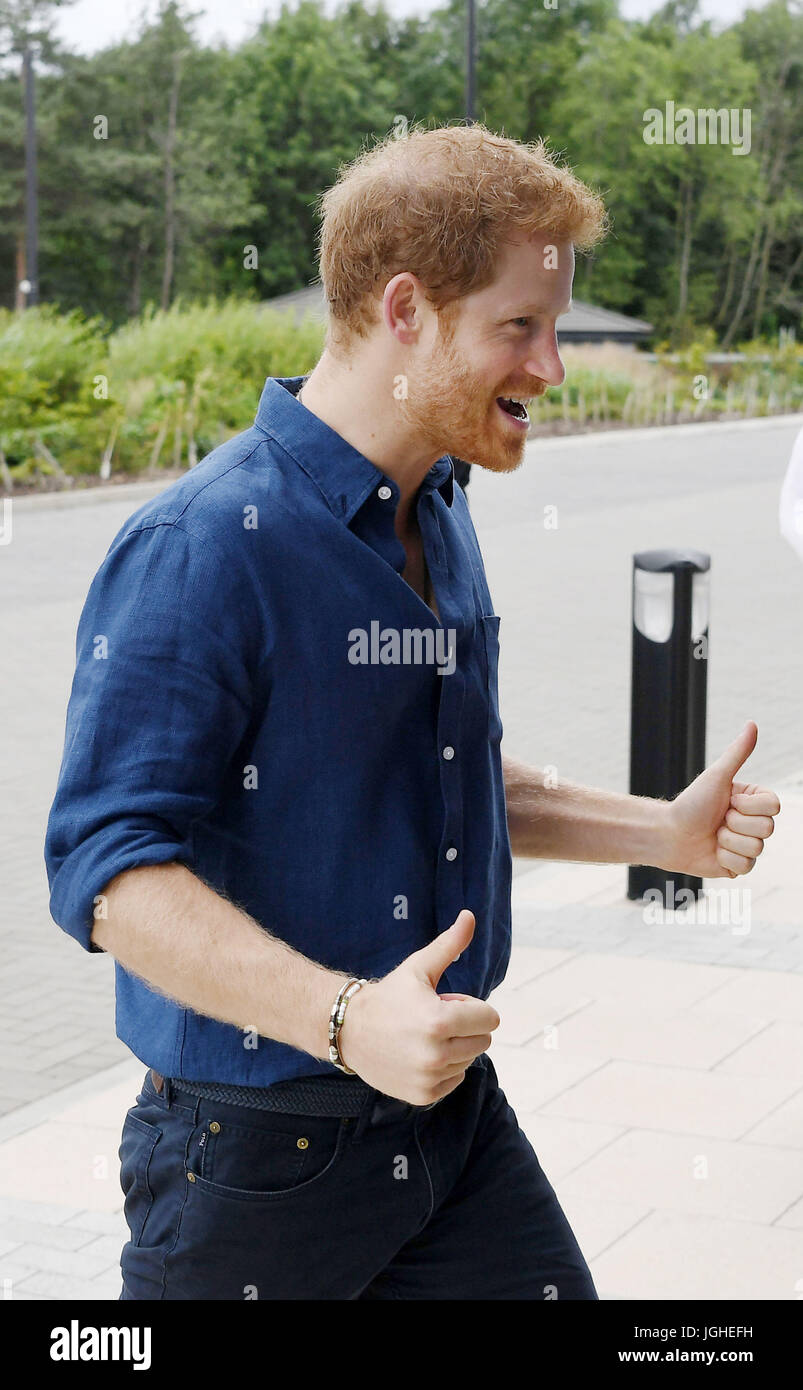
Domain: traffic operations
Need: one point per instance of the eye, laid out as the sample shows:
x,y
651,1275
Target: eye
x,y
524,321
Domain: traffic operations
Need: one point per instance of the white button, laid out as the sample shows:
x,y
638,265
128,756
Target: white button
x,y
451,854
385,492
448,753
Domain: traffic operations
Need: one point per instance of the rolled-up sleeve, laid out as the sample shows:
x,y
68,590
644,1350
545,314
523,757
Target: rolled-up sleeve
x,y
160,700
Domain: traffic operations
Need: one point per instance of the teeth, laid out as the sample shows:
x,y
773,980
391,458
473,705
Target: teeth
x,y
521,401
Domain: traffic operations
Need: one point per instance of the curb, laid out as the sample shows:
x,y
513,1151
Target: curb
x,y
691,428
116,493
123,491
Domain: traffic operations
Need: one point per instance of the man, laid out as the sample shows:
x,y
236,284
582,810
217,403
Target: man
x,y
283,806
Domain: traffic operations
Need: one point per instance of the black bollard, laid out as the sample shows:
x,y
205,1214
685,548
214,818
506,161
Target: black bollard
x,y
668,700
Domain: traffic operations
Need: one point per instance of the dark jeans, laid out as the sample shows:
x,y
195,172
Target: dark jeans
x,y
449,1202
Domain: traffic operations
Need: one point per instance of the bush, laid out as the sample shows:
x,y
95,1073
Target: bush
x,y
184,380
165,389
48,365
608,382
168,387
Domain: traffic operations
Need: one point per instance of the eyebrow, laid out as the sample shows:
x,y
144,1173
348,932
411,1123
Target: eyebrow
x,y
513,312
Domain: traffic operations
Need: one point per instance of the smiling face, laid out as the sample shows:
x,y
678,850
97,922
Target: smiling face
x,y
501,343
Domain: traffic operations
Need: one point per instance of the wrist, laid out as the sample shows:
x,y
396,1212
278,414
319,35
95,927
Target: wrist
x,y
663,844
351,1028
323,997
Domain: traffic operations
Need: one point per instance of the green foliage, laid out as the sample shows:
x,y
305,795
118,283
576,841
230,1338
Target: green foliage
x,y
246,138
169,386
163,390
183,381
48,363
607,382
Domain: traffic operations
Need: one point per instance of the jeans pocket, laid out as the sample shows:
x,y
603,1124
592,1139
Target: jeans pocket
x,y
139,1139
275,1157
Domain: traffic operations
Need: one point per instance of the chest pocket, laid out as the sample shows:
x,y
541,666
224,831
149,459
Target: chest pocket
x,y
490,629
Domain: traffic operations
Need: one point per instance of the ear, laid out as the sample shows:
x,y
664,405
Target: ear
x,y
404,307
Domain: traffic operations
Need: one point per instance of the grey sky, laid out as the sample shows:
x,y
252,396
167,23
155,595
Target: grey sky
x,y
87,25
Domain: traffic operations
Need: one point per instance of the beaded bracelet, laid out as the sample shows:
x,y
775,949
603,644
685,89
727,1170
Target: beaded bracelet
x,y
336,1017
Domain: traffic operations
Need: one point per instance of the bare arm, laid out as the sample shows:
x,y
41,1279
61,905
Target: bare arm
x,y
187,942
572,822
166,926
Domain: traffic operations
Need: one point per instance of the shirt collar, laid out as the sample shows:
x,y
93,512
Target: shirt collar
x,y
344,475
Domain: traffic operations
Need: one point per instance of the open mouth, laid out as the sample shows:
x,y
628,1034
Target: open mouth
x,y
516,411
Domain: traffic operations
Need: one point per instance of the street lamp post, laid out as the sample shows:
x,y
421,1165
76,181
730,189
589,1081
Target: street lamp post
x,y
462,470
30,285
471,28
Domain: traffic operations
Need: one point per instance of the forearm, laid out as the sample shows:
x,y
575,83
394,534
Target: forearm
x,y
166,926
573,822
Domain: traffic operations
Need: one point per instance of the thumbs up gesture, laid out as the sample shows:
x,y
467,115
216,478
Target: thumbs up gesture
x,y
407,1040
717,825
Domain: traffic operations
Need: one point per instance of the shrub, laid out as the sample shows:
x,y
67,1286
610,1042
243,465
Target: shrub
x,y
169,386
48,365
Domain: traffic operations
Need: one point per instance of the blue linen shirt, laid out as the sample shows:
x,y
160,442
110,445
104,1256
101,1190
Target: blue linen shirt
x,y
242,704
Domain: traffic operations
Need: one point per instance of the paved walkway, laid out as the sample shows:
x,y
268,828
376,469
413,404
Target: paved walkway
x,y
663,1096
564,594
665,1099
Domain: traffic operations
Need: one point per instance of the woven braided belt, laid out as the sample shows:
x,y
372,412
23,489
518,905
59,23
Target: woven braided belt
x,y
314,1095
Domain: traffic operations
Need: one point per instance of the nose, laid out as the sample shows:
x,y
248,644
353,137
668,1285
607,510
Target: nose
x,y
544,361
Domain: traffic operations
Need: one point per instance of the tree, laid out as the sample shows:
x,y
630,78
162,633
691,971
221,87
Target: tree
x,y
773,39
137,177
169,169
305,103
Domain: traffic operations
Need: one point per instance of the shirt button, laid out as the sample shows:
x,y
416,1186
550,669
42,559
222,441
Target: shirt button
x,y
385,492
451,854
448,752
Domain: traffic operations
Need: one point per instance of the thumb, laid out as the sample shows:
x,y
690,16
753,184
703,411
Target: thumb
x,y
739,751
433,959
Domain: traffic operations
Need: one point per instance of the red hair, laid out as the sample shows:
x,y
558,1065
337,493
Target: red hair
x,y
439,203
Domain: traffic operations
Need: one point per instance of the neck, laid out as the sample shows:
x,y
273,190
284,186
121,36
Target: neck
x,y
356,400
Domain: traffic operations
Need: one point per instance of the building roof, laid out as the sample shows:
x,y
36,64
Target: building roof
x,y
582,321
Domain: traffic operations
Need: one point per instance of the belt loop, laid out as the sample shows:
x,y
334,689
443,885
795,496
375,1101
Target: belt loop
x,y
364,1117
167,1092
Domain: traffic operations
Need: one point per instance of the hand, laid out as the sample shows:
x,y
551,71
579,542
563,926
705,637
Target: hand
x,y
717,827
408,1041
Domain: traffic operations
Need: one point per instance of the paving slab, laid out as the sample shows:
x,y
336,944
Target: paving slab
x,y
531,1075
684,1100
782,1127
598,1225
777,1050
528,962
662,985
632,1033
694,1174
792,1217
561,1144
535,1006
757,992
682,1257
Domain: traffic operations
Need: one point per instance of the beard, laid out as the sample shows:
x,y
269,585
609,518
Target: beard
x,y
452,408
